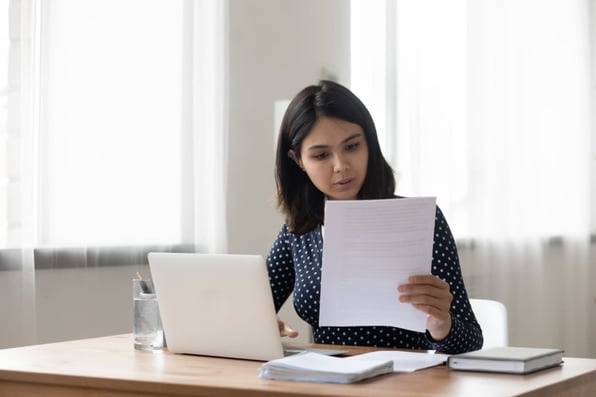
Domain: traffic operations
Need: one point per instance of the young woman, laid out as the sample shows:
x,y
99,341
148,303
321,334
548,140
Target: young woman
x,y
328,150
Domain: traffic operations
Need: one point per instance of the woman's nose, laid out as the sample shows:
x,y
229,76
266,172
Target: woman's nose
x,y
340,163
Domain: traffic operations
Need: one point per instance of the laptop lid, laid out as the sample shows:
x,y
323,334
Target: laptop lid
x,y
216,305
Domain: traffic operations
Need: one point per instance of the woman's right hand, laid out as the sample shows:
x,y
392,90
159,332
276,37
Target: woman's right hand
x,y
284,330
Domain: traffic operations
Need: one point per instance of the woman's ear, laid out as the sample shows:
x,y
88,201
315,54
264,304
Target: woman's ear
x,y
292,155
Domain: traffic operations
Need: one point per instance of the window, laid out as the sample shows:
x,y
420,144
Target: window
x,y
104,145
111,144
484,105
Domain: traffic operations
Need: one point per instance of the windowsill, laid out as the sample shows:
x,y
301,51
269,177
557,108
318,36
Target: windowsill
x,y
81,257
468,244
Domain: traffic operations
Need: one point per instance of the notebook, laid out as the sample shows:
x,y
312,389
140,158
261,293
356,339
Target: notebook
x,y
508,359
218,305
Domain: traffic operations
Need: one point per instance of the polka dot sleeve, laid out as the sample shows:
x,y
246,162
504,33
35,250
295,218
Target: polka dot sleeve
x,y
465,334
280,267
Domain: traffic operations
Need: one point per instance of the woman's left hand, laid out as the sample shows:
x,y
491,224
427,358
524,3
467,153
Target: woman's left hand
x,y
431,295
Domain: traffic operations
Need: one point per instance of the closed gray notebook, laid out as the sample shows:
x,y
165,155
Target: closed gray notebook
x,y
508,359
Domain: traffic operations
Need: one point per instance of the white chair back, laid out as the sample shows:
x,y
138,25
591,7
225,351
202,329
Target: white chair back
x,y
492,317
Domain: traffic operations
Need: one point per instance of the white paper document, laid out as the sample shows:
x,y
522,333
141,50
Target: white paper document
x,y
369,248
404,361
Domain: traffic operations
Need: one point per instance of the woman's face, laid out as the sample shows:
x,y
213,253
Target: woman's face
x,y
334,155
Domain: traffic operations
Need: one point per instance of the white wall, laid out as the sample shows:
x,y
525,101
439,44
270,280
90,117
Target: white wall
x,y
277,47
66,304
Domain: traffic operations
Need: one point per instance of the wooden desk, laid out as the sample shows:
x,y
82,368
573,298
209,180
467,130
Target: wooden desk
x,y
110,366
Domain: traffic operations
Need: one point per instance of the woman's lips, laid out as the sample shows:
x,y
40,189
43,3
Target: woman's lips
x,y
344,183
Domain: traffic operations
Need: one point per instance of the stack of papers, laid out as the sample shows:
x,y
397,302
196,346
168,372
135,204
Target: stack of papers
x,y
315,367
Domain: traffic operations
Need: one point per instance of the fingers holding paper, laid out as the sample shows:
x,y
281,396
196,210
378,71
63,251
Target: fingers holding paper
x,y
432,296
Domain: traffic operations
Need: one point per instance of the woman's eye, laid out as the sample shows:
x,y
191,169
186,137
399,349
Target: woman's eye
x,y
320,156
352,146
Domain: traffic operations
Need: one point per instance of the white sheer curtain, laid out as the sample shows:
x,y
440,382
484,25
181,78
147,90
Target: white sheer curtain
x,y
121,132
112,134
486,104
210,155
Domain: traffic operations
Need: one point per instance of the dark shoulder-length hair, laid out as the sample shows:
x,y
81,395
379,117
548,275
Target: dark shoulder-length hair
x,y
298,198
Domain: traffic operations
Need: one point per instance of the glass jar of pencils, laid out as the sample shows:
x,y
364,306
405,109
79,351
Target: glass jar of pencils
x,y
147,328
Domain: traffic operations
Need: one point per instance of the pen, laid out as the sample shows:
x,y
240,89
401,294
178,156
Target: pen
x,y
143,284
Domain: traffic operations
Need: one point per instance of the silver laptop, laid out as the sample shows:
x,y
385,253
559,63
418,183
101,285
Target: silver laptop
x,y
217,305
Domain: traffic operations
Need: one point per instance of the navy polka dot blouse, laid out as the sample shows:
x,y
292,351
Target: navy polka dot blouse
x,y
294,265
